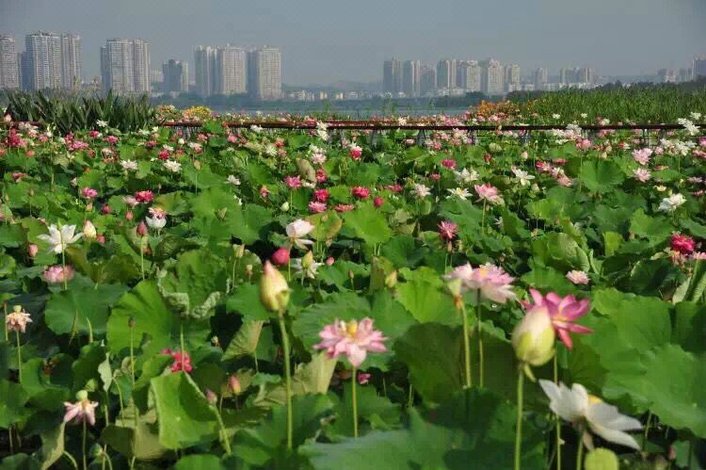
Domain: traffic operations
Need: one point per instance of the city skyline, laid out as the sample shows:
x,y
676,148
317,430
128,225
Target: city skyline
x,y
322,43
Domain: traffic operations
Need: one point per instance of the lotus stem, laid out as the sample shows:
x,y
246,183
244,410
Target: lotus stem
x,y
518,432
355,402
288,380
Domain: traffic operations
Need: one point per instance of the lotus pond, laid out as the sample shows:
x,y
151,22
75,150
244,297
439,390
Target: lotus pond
x,y
345,299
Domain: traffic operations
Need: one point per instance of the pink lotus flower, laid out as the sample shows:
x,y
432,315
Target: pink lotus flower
x,y
578,277
360,192
488,192
317,207
144,197
17,320
643,175
490,281
642,156
355,152
352,339
447,230
378,201
563,311
321,195
89,193
321,175
264,192
344,207
448,163
363,378
58,274
683,244
182,360
111,139
83,410
293,182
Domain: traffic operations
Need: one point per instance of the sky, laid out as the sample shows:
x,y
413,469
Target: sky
x,y
327,41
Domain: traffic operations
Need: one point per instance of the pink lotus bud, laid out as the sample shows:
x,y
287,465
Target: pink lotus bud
x,y
32,250
142,229
105,210
128,215
234,385
280,257
378,201
211,397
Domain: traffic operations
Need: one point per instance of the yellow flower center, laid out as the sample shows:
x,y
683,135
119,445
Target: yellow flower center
x,y
594,400
352,328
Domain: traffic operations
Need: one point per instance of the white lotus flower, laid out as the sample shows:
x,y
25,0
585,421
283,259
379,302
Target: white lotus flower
x,y
523,177
579,408
60,238
421,191
255,128
157,218
461,193
671,203
128,165
232,179
297,230
173,166
101,124
466,176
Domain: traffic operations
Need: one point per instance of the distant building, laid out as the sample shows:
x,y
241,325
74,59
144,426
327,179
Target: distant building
x,y
175,76
265,73
492,77
698,68
411,78
585,75
43,61
392,77
666,76
446,74
512,77
468,75
9,64
205,70
125,66
230,71
541,78
70,61
427,80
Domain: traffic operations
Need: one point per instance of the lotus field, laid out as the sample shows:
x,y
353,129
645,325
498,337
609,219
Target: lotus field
x,y
320,299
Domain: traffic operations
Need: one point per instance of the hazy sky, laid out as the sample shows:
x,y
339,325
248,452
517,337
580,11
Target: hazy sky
x,y
324,41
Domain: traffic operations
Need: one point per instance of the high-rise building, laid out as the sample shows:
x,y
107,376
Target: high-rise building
x,y
175,76
698,68
468,75
392,77
43,55
205,70
492,77
446,74
9,64
512,77
666,76
265,73
427,80
125,66
585,75
411,70
230,71
70,61
541,78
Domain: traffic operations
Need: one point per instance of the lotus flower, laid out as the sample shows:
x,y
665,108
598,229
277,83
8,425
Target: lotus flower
x,y
82,410
579,408
59,239
352,339
682,243
491,281
447,230
17,319
58,274
563,312
533,339
297,230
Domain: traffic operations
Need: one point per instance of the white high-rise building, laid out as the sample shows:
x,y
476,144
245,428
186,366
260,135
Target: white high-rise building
x,y
512,77
265,73
231,77
9,64
446,74
392,77
411,84
541,78
125,66
698,68
70,61
492,77
469,75
43,61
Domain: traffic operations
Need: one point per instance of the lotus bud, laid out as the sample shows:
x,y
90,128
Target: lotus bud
x,y
307,260
391,280
533,339
280,257
129,215
89,230
239,251
32,250
234,385
274,291
141,230
211,397
81,395
284,206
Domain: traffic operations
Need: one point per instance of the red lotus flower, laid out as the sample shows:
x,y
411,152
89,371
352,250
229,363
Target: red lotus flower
x,y
182,360
378,201
360,192
683,244
280,257
144,197
447,230
564,311
321,195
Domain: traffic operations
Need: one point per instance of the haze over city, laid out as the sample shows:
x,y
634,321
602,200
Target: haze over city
x,y
323,42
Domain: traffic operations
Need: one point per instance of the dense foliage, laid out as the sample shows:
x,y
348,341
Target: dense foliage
x,y
146,328
641,103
